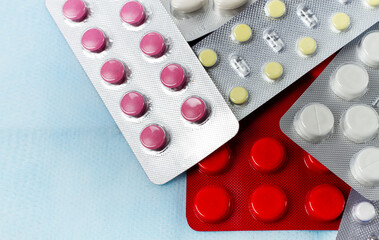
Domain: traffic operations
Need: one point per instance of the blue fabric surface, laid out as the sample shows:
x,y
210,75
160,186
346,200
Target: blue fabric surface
x,y
66,172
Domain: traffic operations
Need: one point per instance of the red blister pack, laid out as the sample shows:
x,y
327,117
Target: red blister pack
x,y
261,180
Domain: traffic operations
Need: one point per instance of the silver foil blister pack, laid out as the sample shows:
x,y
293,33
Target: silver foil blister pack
x,y
196,18
160,96
336,120
360,219
271,44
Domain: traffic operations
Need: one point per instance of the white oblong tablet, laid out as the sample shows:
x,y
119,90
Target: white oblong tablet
x,y
187,6
314,122
229,4
368,49
360,123
365,166
364,212
350,81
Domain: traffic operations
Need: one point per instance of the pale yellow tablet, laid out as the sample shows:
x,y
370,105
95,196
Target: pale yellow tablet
x,y
242,33
307,46
275,9
238,95
208,58
341,21
273,70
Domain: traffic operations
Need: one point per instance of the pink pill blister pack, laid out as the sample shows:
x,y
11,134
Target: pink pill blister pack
x,y
160,96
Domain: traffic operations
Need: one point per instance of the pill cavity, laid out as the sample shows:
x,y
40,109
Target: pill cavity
x,y
240,66
307,16
273,40
365,166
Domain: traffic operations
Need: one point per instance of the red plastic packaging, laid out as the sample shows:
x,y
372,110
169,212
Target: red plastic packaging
x,y
261,180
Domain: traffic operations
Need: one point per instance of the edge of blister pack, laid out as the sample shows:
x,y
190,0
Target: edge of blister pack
x,y
339,149
208,18
359,221
276,38
185,143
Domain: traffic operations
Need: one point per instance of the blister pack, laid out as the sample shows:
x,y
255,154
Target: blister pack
x,y
158,93
261,180
273,43
336,120
360,219
196,18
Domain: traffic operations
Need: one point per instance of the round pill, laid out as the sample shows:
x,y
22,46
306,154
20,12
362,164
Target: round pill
x,y
268,203
75,10
94,40
267,155
325,203
173,76
133,13
360,123
273,70
217,162
113,71
133,104
242,33
229,4
350,81
195,110
307,46
364,212
275,9
153,137
369,49
314,122
208,58
365,166
153,45
212,204
186,6
238,95
373,3
314,165
341,21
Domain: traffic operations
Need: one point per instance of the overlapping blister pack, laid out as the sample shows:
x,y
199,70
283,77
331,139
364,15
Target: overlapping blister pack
x,y
360,219
158,93
196,18
261,180
273,43
336,120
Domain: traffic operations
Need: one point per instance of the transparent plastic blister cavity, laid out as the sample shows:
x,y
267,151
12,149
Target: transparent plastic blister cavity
x,y
160,96
196,18
360,219
337,121
276,42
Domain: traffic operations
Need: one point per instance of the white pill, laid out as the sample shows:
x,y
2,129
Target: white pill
x,y
229,4
368,49
364,212
360,123
187,6
365,166
350,81
314,122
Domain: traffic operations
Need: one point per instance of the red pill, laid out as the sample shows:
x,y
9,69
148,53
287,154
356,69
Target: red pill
x,y
212,204
217,162
267,155
314,165
325,203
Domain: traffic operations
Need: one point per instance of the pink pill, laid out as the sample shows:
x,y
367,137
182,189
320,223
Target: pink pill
x,y
194,109
153,137
75,10
94,40
113,72
173,76
133,104
133,13
153,45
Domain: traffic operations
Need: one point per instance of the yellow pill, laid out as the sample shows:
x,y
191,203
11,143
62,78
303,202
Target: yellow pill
x,y
373,3
341,21
307,46
275,9
242,33
238,95
208,58
273,70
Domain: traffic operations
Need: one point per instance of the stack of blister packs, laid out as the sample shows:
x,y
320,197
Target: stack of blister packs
x,y
301,142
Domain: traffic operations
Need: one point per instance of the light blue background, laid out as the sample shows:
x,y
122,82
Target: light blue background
x,y
65,170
